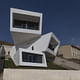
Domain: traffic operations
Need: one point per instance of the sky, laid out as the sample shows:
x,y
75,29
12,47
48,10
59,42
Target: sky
x,y
62,17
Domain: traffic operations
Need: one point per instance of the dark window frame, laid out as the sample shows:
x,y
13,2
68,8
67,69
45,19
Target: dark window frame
x,y
22,24
31,57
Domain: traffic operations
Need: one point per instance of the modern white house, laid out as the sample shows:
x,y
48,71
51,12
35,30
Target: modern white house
x,y
31,47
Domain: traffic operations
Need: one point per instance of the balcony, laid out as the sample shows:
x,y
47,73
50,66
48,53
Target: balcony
x,y
26,25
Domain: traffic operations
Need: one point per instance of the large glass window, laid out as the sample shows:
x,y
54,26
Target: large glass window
x,y
26,24
52,44
30,57
51,47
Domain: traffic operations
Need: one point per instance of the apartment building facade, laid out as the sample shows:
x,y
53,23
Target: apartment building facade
x,y
69,51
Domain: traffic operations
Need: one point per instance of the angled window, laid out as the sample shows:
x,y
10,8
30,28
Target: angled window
x,y
30,57
53,43
26,22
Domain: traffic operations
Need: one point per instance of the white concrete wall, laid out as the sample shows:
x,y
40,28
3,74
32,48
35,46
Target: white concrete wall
x,y
13,52
42,43
30,74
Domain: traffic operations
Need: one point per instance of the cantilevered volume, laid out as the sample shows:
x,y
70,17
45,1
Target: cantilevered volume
x,y
31,48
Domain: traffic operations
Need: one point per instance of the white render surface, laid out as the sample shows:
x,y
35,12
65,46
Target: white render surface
x,y
42,43
32,74
21,38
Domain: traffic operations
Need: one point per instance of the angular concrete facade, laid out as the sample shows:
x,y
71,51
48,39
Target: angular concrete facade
x,y
30,46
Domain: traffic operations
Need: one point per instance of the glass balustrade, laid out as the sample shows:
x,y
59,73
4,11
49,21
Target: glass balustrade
x,y
26,25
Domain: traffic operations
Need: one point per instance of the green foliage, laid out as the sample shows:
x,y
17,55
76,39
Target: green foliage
x,y
10,64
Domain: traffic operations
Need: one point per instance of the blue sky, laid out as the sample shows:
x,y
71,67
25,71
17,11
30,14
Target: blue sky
x,y
59,16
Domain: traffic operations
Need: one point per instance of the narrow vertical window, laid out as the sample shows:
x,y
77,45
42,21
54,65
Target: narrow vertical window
x,y
32,47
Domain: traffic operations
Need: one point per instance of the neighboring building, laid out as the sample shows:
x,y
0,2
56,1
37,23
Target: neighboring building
x,y
30,47
7,47
69,51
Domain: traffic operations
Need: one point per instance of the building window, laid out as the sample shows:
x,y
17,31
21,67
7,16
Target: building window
x,y
26,24
31,57
32,47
